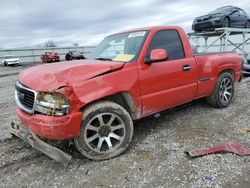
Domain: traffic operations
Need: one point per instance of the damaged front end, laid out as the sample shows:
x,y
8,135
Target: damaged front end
x,y
52,104
49,106
46,103
51,115
18,130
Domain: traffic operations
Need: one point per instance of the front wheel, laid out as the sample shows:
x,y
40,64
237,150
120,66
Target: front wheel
x,y
106,131
223,92
226,22
247,24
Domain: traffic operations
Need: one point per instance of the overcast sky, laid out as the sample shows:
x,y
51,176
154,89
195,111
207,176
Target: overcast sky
x,y
26,23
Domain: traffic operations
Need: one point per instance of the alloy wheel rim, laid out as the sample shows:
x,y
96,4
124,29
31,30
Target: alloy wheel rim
x,y
104,133
226,89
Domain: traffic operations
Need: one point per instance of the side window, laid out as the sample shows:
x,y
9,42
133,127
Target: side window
x,y
170,41
236,12
242,12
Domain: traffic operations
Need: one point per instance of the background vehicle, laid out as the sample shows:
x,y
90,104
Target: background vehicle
x,y
11,60
228,16
50,57
74,55
129,76
246,66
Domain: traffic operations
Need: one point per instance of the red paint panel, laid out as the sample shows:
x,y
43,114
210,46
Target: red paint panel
x,y
58,128
165,84
49,77
233,147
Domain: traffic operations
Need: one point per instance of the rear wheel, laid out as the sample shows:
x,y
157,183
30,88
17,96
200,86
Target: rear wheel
x,y
106,131
5,64
226,22
223,92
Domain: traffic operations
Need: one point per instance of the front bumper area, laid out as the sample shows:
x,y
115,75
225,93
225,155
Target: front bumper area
x,y
18,130
206,25
52,127
13,62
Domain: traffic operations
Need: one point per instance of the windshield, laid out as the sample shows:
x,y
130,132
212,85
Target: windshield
x,y
123,47
221,10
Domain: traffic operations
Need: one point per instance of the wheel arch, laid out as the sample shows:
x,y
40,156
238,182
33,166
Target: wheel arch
x,y
124,99
231,71
228,17
229,20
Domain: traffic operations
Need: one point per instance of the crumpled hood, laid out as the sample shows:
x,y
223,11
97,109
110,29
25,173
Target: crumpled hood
x,y
49,77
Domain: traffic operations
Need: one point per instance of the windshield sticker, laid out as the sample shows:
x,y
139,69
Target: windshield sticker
x,y
123,57
137,34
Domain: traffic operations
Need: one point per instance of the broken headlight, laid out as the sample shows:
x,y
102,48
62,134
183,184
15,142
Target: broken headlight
x,y
52,104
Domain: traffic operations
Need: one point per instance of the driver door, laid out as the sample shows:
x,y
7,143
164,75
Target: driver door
x,y
167,83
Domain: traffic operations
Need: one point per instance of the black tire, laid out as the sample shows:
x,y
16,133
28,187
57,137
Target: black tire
x,y
68,57
223,92
247,24
226,22
104,144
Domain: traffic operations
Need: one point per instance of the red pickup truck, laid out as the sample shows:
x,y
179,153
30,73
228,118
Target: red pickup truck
x,y
130,75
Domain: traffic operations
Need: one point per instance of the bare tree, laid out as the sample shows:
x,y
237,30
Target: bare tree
x,y
50,43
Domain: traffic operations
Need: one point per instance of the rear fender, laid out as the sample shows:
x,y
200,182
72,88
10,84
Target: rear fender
x,y
209,67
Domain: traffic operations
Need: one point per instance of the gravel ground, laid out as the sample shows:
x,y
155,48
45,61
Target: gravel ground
x,y
156,157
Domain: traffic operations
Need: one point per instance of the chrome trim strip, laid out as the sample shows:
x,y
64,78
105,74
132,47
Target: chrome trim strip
x,y
204,79
19,104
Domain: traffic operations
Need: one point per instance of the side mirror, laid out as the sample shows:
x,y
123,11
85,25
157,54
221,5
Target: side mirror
x,y
157,55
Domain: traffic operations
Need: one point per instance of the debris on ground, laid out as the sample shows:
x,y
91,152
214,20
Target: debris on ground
x,y
245,130
232,147
208,178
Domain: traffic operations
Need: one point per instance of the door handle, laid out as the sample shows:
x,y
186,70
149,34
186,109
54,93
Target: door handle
x,y
186,68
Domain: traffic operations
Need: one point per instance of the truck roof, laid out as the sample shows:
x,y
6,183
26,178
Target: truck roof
x,y
150,29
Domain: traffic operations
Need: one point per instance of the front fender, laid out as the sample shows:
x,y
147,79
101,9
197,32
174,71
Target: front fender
x,y
125,80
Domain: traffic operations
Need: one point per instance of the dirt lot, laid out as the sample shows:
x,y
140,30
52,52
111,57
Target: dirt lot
x,y
156,157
